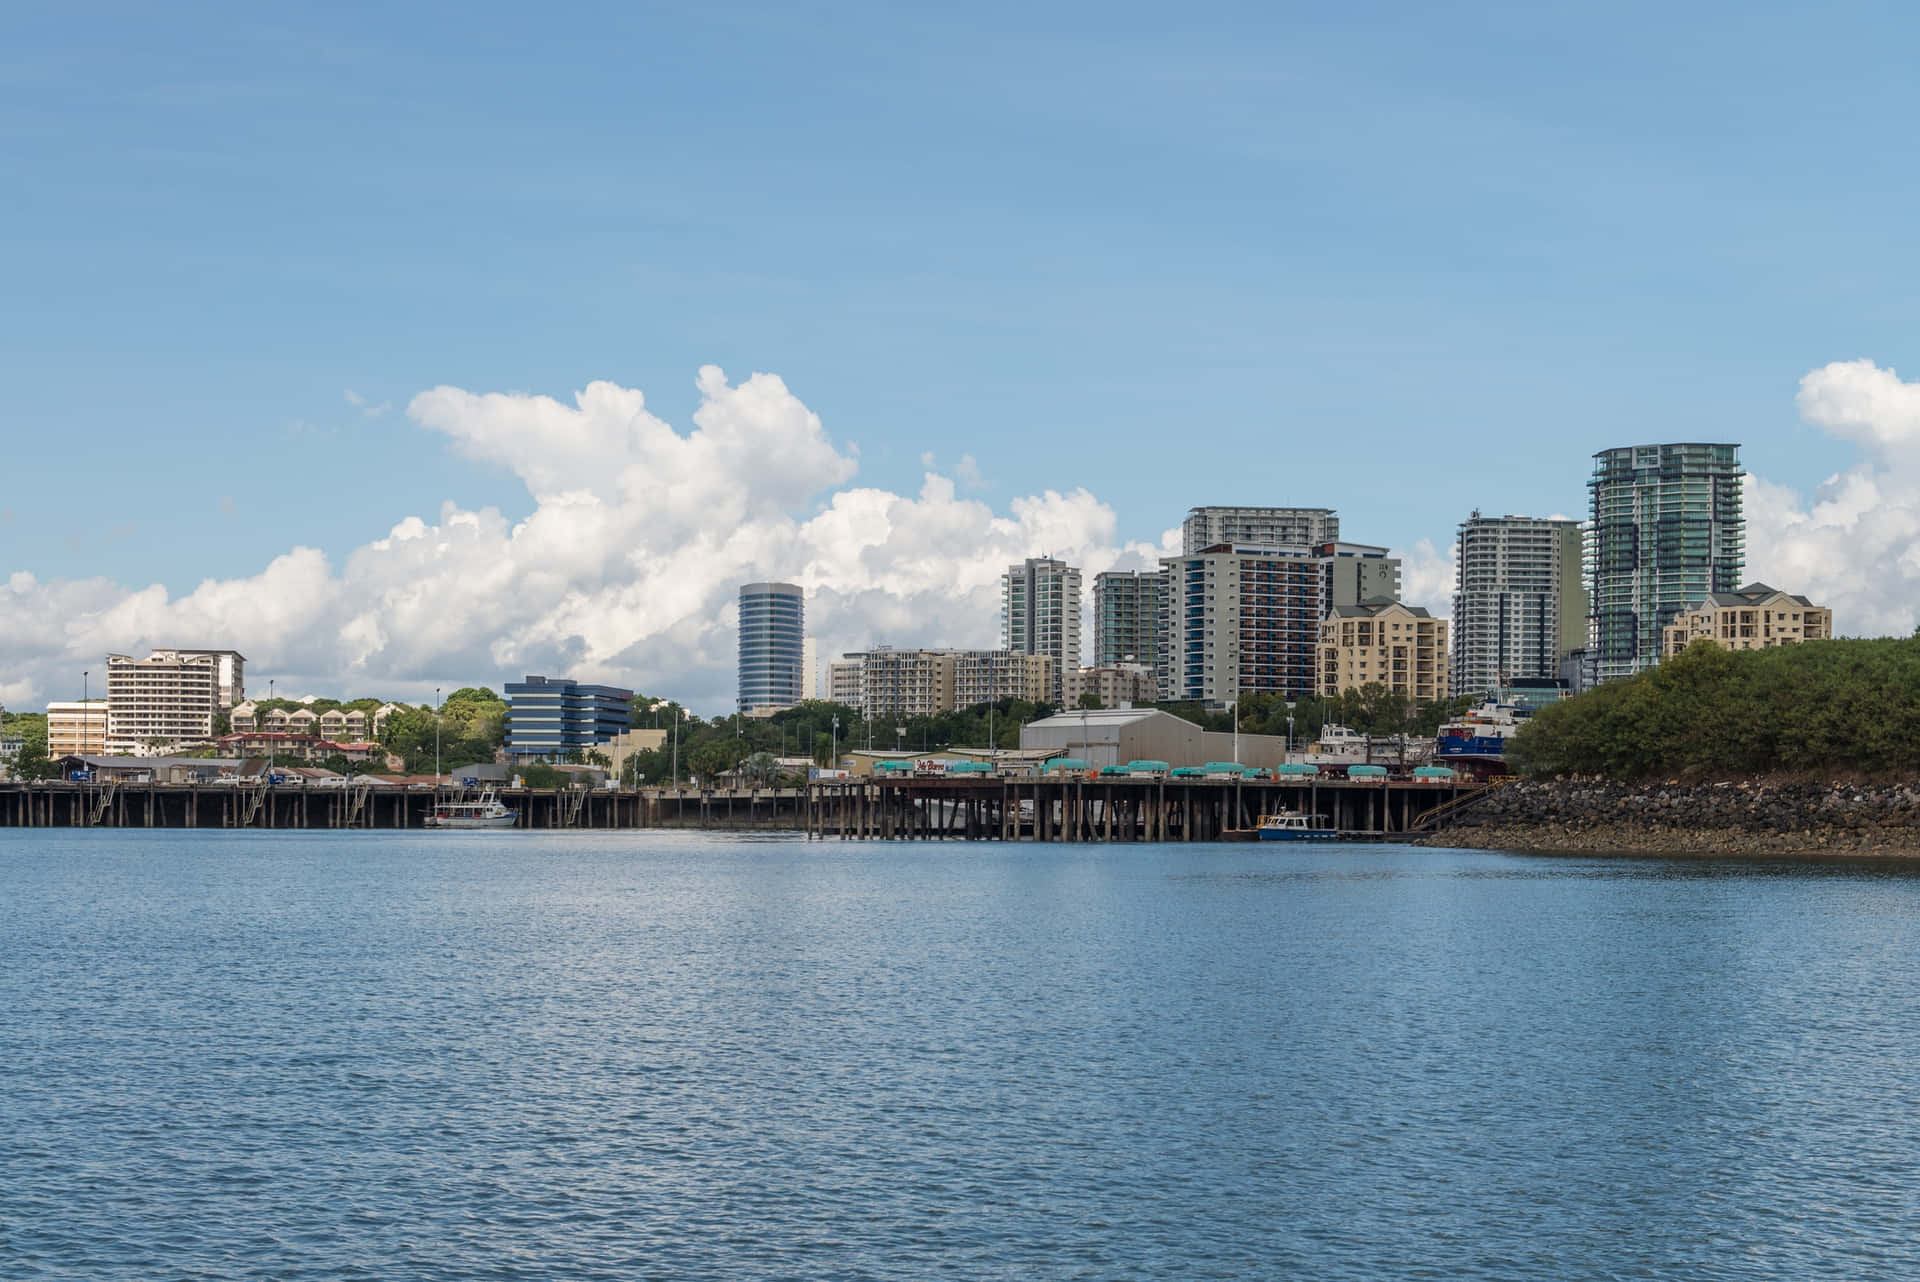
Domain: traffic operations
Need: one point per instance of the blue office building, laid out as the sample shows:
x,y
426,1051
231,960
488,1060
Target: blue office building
x,y
773,640
553,716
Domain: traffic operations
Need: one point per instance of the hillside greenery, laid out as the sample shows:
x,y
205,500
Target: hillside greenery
x,y
1813,709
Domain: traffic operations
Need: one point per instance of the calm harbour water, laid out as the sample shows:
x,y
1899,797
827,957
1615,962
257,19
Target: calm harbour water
x,y
474,1055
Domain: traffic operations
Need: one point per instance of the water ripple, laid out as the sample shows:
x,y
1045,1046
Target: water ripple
x,y
311,1056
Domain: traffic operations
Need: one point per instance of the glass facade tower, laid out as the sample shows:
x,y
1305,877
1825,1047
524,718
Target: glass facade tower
x,y
773,632
555,717
1040,613
1127,605
1666,530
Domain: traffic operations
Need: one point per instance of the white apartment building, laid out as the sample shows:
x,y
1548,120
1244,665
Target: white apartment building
x,y
231,673
843,680
167,699
885,682
1040,613
1207,527
76,727
1242,619
1519,602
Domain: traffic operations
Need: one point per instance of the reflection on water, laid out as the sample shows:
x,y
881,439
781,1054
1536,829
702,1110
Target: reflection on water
x,y
669,1055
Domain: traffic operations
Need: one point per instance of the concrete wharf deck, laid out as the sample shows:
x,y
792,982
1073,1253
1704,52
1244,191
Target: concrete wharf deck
x,y
284,806
1081,809
931,809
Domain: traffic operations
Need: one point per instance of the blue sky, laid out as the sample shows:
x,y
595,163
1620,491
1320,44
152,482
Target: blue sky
x,y
1401,259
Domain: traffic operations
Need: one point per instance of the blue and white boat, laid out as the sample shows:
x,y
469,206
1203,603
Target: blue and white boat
x,y
1291,825
1478,741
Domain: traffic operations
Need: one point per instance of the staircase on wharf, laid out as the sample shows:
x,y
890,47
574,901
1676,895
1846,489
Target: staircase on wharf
x,y
1138,809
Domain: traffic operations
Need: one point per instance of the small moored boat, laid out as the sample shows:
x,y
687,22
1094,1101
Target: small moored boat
x,y
1290,825
487,812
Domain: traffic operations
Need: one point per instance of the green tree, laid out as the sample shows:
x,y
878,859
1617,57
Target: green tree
x,y
645,767
32,763
538,774
1376,709
714,758
760,769
1089,700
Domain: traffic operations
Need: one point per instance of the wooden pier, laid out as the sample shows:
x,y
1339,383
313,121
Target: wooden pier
x,y
295,807
862,809
1069,809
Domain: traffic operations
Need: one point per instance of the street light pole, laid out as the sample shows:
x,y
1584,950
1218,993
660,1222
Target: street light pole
x,y
436,737
833,762
86,711
1236,727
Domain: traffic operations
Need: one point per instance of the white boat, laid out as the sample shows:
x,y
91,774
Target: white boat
x,y
1291,825
487,812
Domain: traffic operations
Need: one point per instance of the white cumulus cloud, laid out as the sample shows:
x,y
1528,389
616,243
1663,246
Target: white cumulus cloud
x,y
1427,575
1854,544
625,568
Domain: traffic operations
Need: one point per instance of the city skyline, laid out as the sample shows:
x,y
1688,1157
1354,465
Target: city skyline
x,y
449,374
1431,573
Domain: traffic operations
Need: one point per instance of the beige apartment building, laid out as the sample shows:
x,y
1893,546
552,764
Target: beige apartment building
x,y
76,727
988,676
1757,617
905,683
885,682
1114,685
1380,642
166,699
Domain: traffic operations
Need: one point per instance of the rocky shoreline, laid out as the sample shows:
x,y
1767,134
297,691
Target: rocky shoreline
x,y
1750,818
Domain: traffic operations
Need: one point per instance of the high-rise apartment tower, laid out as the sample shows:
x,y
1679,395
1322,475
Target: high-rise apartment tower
x,y
773,632
1126,616
1040,613
169,698
1666,530
1519,602
1242,619
1207,527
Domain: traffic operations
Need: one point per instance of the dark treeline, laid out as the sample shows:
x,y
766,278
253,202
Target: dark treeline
x,y
1709,713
